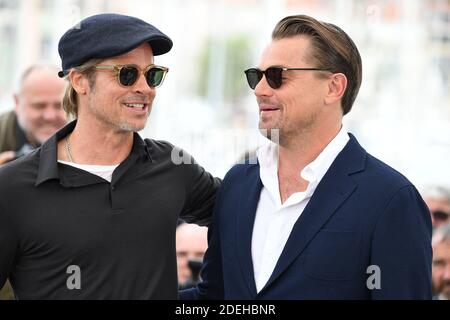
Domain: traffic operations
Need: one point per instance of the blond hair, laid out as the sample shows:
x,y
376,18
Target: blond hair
x,y
70,99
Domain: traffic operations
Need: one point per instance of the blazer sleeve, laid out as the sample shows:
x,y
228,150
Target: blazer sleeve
x,y
401,248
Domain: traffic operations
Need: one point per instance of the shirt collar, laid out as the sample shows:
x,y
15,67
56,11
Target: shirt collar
x,y
268,160
268,156
48,162
315,170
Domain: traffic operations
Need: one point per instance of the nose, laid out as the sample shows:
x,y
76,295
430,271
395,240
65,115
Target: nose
x,y
141,86
263,88
50,113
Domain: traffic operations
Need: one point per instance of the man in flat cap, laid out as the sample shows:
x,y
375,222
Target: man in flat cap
x,y
92,214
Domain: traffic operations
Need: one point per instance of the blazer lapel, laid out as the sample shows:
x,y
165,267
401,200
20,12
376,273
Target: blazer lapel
x,y
334,188
249,195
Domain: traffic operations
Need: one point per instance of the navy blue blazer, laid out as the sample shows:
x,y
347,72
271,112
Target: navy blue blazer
x,y
365,234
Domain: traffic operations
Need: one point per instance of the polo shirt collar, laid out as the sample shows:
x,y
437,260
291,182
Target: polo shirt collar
x,y
48,162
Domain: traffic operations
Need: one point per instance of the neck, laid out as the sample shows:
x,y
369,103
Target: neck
x,y
298,152
98,146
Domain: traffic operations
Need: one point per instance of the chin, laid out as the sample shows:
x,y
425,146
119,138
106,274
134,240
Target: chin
x,y
42,139
133,127
271,133
266,126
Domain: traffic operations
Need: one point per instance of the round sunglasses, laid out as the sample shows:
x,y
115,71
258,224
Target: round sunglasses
x,y
274,75
128,74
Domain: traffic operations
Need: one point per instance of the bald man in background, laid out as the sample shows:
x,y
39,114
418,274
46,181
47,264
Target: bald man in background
x,y
37,114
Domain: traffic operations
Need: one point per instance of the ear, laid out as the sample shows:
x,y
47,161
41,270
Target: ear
x,y
79,82
336,88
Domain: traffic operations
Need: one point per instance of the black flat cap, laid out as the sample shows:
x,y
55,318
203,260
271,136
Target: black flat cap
x,y
108,35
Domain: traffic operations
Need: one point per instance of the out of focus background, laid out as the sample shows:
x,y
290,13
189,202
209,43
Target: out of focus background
x,y
401,116
402,113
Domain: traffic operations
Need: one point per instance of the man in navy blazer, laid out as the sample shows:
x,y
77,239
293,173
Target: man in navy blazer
x,y
316,216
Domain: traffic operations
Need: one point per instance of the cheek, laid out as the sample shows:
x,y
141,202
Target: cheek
x,y
62,116
102,101
291,106
437,273
32,116
182,262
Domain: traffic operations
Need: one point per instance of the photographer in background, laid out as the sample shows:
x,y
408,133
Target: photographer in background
x,y
37,114
191,243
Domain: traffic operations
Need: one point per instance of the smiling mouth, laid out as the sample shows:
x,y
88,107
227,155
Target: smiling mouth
x,y
139,106
267,111
267,107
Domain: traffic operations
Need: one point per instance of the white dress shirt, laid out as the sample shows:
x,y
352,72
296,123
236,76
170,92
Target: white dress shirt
x,y
274,220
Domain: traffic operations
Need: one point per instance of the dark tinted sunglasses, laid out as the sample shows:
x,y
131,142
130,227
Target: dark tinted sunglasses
x,y
274,75
128,74
440,215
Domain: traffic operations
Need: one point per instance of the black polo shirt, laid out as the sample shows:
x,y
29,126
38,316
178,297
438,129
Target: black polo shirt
x,y
69,234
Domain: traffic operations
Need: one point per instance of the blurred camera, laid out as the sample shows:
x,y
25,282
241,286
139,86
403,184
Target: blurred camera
x,y
195,266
